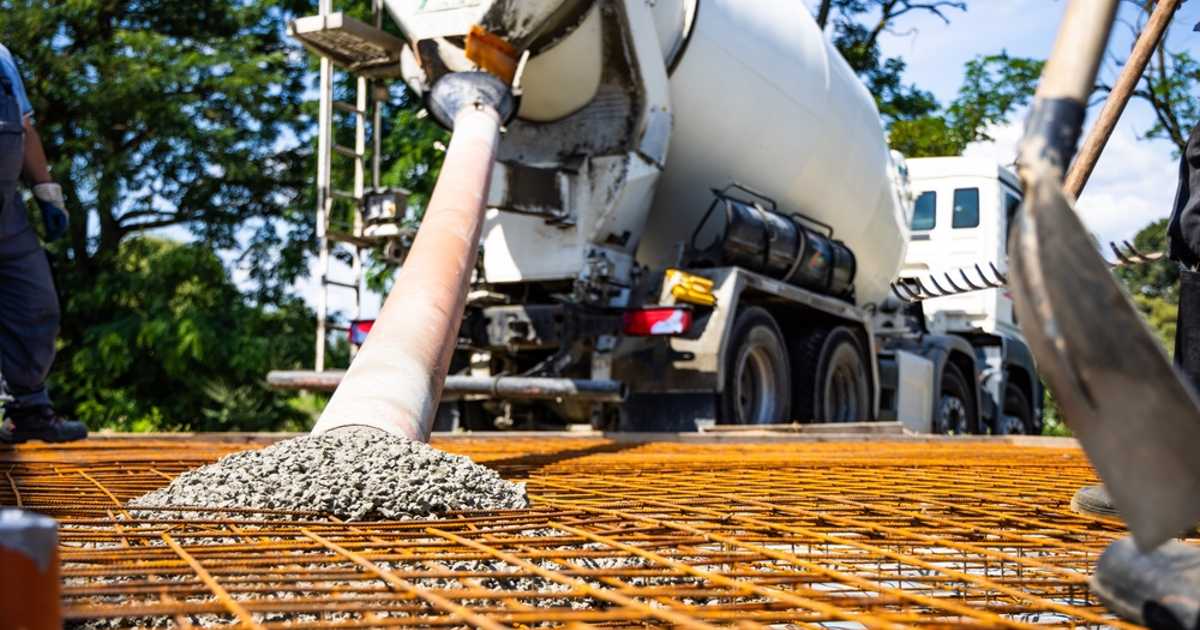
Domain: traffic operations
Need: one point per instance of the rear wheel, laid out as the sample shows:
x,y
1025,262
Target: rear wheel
x,y
757,387
955,413
833,383
1017,418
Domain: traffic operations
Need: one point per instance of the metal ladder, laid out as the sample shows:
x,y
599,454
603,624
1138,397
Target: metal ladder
x,y
343,44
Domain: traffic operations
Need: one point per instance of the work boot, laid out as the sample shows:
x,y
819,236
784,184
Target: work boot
x,y
23,424
1094,501
1159,589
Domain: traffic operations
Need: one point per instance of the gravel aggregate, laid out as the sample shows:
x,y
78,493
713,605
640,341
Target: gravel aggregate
x,y
355,475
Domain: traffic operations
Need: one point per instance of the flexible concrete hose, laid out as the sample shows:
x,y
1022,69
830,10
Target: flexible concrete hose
x,y
395,380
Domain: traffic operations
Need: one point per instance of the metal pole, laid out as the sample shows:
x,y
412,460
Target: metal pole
x,y
324,200
324,194
360,166
377,122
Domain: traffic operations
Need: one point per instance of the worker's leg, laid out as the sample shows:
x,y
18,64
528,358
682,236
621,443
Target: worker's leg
x,y
29,318
1160,588
1187,328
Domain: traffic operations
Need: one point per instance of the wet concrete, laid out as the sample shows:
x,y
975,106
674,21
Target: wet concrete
x,y
355,475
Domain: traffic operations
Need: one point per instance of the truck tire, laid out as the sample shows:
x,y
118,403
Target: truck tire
x,y
1017,417
955,413
757,386
832,383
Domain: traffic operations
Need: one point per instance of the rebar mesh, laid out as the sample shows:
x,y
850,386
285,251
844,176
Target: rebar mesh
x,y
777,533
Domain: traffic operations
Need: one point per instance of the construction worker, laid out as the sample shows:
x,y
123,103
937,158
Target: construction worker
x,y
29,311
1161,588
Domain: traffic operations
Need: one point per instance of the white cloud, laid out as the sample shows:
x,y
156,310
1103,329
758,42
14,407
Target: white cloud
x,y
1134,184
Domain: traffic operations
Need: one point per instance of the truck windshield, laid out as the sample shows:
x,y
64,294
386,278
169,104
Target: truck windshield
x,y
925,212
966,208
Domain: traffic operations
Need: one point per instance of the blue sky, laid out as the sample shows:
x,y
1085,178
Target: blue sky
x,y
1134,182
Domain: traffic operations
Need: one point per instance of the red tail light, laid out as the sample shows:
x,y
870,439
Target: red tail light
x,y
359,329
657,322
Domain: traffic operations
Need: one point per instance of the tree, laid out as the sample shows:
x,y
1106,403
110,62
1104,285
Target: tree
x,y
994,86
165,113
182,116
857,27
1168,85
169,342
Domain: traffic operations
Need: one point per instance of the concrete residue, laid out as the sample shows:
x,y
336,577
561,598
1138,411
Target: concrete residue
x,y
355,475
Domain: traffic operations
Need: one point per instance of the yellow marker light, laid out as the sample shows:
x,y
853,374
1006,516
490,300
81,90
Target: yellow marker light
x,y
690,288
491,53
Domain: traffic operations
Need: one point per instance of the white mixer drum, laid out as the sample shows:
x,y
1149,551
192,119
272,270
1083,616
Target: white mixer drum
x,y
760,97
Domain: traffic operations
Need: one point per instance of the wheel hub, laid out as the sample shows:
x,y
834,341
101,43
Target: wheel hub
x,y
952,415
1011,425
756,395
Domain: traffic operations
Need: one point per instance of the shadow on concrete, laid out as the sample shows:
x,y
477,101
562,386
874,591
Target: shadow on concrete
x,y
523,466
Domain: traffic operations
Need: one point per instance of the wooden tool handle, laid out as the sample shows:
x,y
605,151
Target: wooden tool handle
x,y
1118,98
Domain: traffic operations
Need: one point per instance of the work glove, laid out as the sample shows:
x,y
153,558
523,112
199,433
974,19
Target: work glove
x,y
54,215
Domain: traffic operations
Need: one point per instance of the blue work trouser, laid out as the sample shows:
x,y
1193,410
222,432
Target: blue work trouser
x,y
29,313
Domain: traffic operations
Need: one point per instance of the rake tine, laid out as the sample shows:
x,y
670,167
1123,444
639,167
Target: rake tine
x,y
974,287
924,289
900,290
999,276
950,281
1124,260
991,284
1136,254
941,291
918,292
1144,258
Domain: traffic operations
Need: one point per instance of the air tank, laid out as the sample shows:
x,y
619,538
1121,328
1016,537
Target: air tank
x,y
757,96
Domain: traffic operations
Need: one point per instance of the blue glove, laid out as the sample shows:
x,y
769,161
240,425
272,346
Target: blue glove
x,y
54,218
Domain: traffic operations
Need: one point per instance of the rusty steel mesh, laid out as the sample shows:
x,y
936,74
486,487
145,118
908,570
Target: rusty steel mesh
x,y
774,533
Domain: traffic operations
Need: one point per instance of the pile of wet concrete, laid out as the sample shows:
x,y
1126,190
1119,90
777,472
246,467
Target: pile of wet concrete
x,y
353,475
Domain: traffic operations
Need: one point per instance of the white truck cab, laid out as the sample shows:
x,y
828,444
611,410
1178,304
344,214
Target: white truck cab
x,y
961,214
962,211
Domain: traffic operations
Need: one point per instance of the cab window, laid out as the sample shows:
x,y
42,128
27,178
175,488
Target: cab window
x,y
925,212
966,208
1012,205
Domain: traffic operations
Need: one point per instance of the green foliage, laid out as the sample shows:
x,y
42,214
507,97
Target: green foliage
x,y
1053,423
1169,86
918,126
993,87
195,117
164,340
857,26
1161,316
162,113
927,136
1155,280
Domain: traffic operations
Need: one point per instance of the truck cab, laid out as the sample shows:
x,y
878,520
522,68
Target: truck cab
x,y
963,209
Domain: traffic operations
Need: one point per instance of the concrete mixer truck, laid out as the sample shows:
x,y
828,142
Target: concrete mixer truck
x,y
694,217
